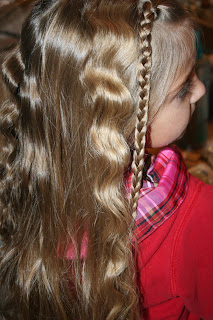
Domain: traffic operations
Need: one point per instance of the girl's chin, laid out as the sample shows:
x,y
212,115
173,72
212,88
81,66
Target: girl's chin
x,y
163,143
181,135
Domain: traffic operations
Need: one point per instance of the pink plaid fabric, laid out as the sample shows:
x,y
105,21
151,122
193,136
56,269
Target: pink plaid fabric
x,y
163,194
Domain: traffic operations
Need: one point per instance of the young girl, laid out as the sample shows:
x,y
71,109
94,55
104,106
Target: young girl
x,y
92,226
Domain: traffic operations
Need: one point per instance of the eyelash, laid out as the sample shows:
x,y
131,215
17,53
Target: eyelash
x,y
186,90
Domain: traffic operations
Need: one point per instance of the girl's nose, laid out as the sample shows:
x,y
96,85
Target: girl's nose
x,y
198,91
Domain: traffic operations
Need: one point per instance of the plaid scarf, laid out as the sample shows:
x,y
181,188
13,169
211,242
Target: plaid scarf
x,y
162,193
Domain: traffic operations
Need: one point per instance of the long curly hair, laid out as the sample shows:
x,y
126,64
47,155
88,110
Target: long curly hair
x,y
78,83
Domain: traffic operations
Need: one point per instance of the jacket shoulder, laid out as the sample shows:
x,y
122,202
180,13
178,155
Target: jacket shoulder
x,y
192,259
170,253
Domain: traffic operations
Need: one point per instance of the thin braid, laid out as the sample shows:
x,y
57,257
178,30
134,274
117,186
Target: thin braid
x,y
144,31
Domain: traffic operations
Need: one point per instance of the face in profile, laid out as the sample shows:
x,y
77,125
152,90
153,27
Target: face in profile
x,y
172,118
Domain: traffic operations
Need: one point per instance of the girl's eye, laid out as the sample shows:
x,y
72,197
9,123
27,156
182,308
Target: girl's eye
x,y
186,90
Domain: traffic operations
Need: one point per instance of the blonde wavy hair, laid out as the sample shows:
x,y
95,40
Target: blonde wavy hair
x,y
84,75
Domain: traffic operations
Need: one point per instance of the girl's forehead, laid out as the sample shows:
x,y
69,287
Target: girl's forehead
x,y
185,64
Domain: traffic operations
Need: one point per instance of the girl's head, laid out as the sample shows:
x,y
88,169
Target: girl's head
x,y
83,76
174,84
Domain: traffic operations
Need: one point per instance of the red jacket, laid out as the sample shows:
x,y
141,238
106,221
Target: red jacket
x,y
175,262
